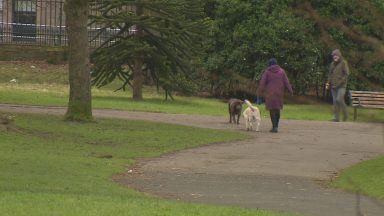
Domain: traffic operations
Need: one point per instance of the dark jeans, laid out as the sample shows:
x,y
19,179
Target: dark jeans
x,y
339,103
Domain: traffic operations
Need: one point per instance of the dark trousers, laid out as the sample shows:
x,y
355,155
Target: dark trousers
x,y
275,117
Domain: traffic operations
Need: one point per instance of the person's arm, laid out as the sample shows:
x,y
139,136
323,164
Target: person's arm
x,y
327,84
262,84
287,84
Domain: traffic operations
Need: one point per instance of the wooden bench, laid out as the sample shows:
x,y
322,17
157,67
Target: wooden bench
x,y
366,99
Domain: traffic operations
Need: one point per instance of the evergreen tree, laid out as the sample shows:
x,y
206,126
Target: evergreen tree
x,y
246,33
159,38
301,34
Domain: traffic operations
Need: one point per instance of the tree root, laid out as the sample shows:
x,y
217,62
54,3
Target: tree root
x,y
6,124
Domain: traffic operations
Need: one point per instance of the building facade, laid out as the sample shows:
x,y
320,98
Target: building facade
x,y
42,22
32,22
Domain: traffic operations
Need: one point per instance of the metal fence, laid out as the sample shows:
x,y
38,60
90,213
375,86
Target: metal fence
x,y
42,22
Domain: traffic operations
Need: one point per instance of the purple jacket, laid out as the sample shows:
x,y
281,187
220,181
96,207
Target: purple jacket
x,y
272,85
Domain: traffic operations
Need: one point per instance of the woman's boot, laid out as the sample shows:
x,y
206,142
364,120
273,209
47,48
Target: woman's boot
x,y
273,116
277,119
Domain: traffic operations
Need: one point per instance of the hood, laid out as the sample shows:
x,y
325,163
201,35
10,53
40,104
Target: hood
x,y
274,69
337,52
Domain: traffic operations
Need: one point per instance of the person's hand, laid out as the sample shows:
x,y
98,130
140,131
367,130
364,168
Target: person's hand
x,y
327,86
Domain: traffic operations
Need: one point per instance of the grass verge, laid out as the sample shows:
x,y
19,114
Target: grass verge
x,y
366,178
60,168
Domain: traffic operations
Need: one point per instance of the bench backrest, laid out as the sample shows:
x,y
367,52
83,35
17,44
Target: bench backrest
x,y
367,99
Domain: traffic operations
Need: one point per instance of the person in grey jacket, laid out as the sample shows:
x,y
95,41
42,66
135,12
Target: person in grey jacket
x,y
337,81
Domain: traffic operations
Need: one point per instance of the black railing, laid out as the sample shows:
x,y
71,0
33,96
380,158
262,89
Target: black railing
x,y
42,22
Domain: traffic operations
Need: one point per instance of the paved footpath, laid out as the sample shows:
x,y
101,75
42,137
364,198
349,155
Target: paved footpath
x,y
287,171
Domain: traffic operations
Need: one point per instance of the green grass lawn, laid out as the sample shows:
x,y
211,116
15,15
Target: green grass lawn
x,y
46,94
366,178
55,167
43,84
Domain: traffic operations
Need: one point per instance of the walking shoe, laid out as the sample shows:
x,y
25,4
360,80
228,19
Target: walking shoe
x,y
273,130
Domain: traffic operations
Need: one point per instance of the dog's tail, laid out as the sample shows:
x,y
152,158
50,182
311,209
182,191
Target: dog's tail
x,y
248,103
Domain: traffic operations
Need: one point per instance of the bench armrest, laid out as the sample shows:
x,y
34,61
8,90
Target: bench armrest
x,y
356,99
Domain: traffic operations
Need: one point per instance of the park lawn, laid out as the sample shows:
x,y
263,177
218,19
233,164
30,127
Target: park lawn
x,y
57,95
39,83
56,167
33,72
366,177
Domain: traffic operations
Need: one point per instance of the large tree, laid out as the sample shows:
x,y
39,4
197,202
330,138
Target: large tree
x,y
158,38
79,105
246,33
357,28
300,34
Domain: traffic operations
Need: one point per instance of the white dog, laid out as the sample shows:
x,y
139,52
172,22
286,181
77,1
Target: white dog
x,y
251,116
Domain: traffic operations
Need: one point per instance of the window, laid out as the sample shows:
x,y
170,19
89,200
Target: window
x,y
24,20
25,6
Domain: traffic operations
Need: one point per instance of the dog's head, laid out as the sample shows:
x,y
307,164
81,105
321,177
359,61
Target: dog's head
x,y
236,105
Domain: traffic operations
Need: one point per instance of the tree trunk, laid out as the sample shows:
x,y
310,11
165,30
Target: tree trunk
x,y
138,80
138,77
79,105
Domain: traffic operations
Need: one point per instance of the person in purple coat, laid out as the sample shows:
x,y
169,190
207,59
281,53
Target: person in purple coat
x,y
272,85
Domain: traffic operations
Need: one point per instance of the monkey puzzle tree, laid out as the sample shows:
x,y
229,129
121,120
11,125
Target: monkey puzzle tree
x,y
158,38
79,105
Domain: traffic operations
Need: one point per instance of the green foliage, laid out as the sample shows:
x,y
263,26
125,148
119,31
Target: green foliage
x,y
300,34
164,35
357,28
379,4
245,34
377,72
334,8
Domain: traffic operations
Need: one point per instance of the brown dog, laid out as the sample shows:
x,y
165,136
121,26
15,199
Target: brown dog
x,y
235,106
